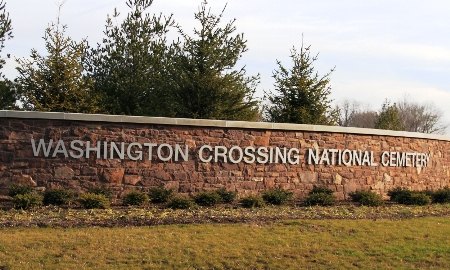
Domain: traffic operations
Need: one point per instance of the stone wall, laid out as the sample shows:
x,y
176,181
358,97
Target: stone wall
x,y
18,163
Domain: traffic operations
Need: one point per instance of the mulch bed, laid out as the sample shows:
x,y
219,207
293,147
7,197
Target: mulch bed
x,y
152,215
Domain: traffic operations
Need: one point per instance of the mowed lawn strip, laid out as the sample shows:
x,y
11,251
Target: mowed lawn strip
x,y
297,244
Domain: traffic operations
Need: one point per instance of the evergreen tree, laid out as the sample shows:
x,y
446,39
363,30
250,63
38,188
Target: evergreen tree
x,y
205,82
301,95
129,68
56,82
5,30
8,95
389,118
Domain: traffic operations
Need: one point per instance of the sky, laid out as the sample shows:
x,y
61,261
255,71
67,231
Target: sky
x,y
380,49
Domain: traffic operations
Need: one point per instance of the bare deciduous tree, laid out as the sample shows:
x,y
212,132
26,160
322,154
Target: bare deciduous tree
x,y
364,119
354,114
421,117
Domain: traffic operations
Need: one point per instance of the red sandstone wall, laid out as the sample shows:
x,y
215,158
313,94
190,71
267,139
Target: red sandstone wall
x,y
18,164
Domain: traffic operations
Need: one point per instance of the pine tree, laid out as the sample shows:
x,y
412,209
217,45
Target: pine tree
x,y
205,81
56,82
129,68
301,95
5,29
389,118
8,94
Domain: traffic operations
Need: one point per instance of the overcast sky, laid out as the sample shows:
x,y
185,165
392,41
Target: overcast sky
x,y
381,49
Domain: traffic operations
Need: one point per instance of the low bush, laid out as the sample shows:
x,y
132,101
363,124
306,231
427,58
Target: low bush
x,y
227,196
180,203
440,195
321,196
367,198
27,200
399,194
135,197
207,198
320,199
405,196
277,196
252,202
160,195
91,201
321,189
58,196
417,198
16,189
429,193
105,191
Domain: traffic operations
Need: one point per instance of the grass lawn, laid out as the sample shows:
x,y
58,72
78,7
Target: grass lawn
x,y
413,243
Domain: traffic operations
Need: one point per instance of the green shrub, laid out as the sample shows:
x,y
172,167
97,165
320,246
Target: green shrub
x,y
321,189
440,195
180,203
91,200
429,193
27,201
105,191
16,189
160,195
321,196
277,196
58,196
207,198
227,196
399,194
135,197
321,199
417,198
367,198
252,202
405,196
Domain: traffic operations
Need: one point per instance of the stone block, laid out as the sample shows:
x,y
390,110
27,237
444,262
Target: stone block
x,y
113,176
350,187
230,187
23,180
269,183
175,185
5,181
86,170
258,179
278,168
132,179
337,179
340,196
162,175
180,176
248,185
261,141
43,178
308,177
63,173
294,180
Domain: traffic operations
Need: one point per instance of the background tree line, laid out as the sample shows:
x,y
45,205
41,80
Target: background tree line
x,y
137,70
404,115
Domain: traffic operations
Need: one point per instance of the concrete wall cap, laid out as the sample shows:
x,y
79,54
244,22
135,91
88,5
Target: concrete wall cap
x,y
214,123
